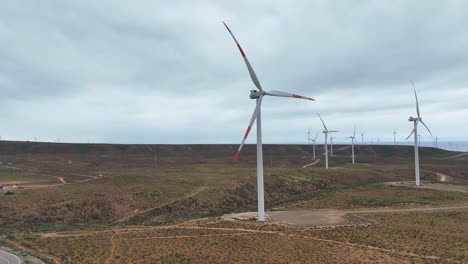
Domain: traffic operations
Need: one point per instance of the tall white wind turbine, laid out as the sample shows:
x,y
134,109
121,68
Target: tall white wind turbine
x,y
326,132
362,138
353,139
416,121
394,137
258,96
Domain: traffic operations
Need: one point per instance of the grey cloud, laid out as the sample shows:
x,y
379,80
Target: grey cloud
x,y
162,72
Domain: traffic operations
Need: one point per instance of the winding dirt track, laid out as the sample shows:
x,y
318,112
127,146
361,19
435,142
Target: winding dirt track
x,y
311,164
443,177
37,185
191,194
458,156
229,232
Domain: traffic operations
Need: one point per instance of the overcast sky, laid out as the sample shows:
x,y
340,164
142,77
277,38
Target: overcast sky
x,y
169,72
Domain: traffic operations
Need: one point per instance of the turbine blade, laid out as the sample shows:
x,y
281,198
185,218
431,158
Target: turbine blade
x,y
426,128
410,135
253,76
354,133
324,126
417,104
252,120
283,94
316,136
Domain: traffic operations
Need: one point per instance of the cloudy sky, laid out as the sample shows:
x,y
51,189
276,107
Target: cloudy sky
x,y
169,72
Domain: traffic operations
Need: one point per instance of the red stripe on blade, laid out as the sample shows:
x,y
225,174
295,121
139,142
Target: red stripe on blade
x,y
296,96
242,52
234,160
247,132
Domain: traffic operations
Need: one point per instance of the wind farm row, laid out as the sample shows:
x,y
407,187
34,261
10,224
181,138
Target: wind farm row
x,y
256,117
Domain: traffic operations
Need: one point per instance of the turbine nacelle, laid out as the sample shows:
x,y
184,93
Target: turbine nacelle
x,y
414,119
254,94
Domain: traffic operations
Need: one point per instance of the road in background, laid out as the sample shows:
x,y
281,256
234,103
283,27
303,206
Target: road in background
x,y
9,258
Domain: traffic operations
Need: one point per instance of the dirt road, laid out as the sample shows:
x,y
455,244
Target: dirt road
x,y
433,186
28,185
327,217
191,194
311,164
443,177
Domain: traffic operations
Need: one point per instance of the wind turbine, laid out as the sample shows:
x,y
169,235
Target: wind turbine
x,y
326,132
362,138
258,96
353,139
331,145
314,140
394,137
416,121
308,136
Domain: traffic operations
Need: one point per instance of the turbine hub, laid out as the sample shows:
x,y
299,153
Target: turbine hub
x,y
254,94
414,119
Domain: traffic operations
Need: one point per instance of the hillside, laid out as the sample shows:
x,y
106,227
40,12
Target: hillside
x,y
91,188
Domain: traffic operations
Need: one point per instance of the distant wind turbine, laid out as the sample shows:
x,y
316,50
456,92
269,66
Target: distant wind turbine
x,y
258,96
331,146
326,132
314,140
308,136
394,137
416,121
353,139
362,138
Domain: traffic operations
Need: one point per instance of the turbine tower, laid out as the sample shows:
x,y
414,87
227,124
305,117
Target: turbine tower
x,y
326,132
258,96
416,121
394,137
353,139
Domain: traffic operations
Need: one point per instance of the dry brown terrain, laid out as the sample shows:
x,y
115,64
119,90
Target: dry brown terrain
x,y
103,203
